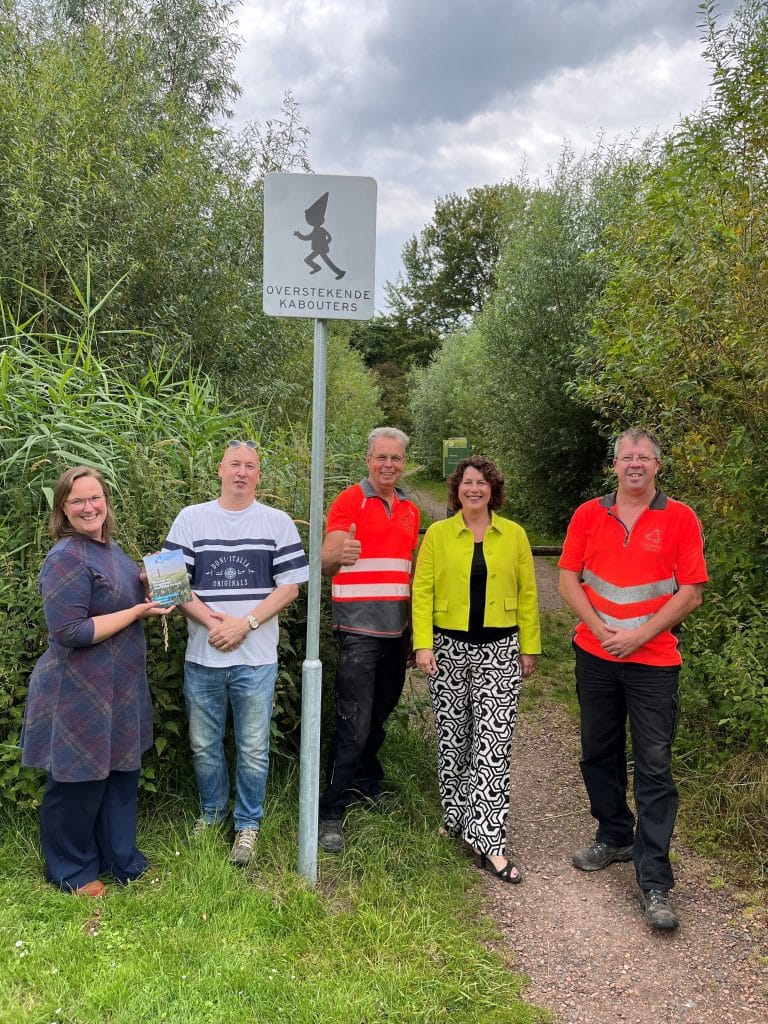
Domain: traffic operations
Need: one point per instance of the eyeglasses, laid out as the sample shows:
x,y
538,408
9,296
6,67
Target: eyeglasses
x,y
627,460
252,445
381,459
78,504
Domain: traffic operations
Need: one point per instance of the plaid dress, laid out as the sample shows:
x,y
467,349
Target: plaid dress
x,y
88,709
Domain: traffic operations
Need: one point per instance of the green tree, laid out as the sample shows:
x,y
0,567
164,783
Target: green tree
x,y
547,282
190,45
449,267
450,398
111,175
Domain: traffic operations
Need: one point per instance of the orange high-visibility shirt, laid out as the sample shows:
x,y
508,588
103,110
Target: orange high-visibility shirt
x,y
628,575
373,595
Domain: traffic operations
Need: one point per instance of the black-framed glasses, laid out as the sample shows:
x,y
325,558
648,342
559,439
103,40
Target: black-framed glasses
x,y
251,445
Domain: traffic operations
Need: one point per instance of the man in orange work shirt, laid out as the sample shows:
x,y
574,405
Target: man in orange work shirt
x,y
372,534
632,569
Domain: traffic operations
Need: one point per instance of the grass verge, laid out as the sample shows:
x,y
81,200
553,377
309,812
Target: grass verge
x,y
392,933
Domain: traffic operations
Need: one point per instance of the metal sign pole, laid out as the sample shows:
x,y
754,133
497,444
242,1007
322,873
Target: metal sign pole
x,y
312,669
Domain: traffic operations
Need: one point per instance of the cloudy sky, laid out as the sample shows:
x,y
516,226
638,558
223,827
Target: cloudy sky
x,y
431,97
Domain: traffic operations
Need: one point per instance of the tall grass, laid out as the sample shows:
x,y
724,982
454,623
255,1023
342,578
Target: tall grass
x,y
158,440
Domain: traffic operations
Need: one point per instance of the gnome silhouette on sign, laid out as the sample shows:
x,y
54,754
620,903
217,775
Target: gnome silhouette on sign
x,y
318,237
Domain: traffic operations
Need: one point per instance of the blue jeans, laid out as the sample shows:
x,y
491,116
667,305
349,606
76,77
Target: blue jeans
x,y
609,693
250,691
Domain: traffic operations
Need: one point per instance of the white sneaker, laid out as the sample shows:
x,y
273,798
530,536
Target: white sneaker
x,y
244,846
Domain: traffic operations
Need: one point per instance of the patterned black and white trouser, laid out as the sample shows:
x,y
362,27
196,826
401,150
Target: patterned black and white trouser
x,y
474,701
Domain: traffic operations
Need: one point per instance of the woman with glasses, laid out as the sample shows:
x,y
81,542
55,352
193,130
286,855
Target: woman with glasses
x,y
88,717
476,635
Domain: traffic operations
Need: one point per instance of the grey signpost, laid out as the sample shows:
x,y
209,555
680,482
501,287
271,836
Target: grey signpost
x,y
319,262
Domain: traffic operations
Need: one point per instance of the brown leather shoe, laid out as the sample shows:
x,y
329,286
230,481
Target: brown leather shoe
x,y
93,889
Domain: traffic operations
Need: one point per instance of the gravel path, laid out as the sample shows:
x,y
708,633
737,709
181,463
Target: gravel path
x,y
581,937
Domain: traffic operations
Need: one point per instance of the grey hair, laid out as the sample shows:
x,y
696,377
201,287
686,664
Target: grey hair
x,y
636,434
391,433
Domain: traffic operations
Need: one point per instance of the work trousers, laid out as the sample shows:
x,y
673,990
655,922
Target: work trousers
x,y
88,829
369,681
610,693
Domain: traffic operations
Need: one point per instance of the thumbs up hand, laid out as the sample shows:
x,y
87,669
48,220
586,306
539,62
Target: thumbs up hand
x,y
350,548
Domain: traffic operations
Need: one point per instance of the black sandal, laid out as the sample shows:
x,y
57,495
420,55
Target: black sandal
x,y
503,874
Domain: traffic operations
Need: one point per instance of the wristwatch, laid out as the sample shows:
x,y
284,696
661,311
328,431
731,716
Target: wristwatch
x,y
253,622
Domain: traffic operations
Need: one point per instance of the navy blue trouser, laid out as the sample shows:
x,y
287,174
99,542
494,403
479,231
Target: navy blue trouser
x,y
369,680
88,829
610,693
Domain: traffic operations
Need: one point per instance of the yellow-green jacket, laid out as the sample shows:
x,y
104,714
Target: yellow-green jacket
x,y
441,582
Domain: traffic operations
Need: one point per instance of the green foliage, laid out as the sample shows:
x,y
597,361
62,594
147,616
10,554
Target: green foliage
x,y
725,685
389,348
158,442
386,339
547,279
449,267
449,398
678,344
114,170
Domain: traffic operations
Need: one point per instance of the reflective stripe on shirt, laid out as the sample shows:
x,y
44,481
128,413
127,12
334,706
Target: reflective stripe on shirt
x,y
629,595
361,591
379,565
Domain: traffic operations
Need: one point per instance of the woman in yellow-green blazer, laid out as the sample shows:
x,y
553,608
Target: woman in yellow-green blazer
x,y
476,636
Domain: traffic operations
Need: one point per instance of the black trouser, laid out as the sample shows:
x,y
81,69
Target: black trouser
x,y
609,692
369,680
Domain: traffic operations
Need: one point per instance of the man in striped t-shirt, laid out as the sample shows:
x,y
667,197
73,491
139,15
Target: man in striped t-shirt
x,y
245,562
372,534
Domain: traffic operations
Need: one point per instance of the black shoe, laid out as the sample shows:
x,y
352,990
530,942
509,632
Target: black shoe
x,y
505,873
329,835
658,909
600,855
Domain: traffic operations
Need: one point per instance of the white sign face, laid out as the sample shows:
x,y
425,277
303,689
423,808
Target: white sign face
x,y
319,246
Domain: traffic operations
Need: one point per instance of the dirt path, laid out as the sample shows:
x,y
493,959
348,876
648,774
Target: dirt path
x,y
581,938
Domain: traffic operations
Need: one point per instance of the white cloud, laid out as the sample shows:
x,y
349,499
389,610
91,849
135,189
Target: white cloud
x,y
438,96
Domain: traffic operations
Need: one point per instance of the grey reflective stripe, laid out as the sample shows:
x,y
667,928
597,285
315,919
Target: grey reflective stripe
x,y
629,595
377,618
614,623
379,565
361,591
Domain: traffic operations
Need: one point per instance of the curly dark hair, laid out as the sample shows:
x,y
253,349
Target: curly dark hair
x,y
490,474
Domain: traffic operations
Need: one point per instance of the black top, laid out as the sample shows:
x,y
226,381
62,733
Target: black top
x,y
477,632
